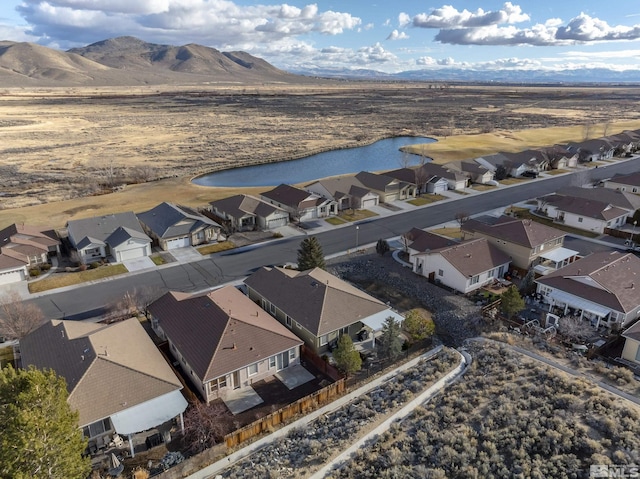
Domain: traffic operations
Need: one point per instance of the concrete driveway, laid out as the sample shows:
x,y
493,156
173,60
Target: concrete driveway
x,y
138,264
186,255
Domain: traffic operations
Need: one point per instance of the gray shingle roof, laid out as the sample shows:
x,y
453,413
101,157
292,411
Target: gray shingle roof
x,y
587,208
473,257
238,206
620,199
632,179
97,229
168,220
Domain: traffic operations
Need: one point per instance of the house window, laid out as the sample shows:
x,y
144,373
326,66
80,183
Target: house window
x,y
222,382
440,272
288,320
580,219
292,353
252,370
475,279
97,428
344,330
324,339
272,308
272,362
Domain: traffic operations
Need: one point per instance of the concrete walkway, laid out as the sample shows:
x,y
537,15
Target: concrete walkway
x,y
215,468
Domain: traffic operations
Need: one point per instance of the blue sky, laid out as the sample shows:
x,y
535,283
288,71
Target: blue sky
x,y
382,35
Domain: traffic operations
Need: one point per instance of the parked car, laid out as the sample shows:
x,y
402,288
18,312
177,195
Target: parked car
x,y
529,174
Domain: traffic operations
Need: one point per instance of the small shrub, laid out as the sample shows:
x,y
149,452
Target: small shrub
x,y
94,265
45,267
277,234
82,267
34,272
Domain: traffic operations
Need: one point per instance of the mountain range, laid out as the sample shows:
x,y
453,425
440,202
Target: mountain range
x,y
129,61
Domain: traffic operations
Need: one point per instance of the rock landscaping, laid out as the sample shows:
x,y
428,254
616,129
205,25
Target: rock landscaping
x,y
308,448
456,317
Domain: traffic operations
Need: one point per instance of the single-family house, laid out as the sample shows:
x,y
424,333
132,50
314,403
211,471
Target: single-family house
x,y
347,191
173,226
223,341
422,181
465,266
119,236
581,213
118,381
317,306
418,241
511,166
560,157
23,247
533,160
246,213
593,150
527,242
621,199
386,187
456,180
476,172
631,350
601,287
300,204
628,183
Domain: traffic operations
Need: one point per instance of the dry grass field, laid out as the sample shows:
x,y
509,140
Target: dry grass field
x,y
60,149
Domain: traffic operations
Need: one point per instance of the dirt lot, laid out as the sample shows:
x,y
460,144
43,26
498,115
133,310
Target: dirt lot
x,y
62,146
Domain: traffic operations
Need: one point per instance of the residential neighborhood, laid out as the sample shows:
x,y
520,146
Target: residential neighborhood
x,y
135,372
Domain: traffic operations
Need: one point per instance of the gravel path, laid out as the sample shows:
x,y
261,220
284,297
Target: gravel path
x,y
455,316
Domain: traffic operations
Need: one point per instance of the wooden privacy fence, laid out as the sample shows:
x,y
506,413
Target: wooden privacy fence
x,y
303,405
320,364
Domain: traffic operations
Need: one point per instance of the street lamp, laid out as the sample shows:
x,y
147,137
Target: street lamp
x,y
633,231
357,230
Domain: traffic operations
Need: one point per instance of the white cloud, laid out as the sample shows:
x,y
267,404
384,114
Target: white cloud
x,y
448,16
426,61
215,23
396,35
16,34
403,20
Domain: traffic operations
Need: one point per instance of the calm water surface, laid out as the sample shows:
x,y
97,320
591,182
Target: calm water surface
x,y
381,155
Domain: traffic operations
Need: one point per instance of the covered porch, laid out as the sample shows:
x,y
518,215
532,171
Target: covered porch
x,y
555,259
565,304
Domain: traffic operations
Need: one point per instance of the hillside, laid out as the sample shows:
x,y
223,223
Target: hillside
x,y
129,61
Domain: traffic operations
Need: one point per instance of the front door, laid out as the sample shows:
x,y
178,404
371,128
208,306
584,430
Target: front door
x,y
235,379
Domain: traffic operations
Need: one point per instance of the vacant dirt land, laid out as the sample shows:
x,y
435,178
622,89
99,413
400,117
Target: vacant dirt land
x,y
61,148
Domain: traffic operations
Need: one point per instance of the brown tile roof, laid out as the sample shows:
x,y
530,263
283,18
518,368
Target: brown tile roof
x,y
319,301
21,241
611,279
108,368
345,185
474,256
220,332
523,232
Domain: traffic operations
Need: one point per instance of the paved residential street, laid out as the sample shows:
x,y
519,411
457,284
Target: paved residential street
x,y
89,300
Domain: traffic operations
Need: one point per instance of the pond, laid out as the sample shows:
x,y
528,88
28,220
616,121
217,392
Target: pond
x,y
381,155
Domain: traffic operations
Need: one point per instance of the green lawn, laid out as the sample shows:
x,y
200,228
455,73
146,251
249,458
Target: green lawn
x,y
216,247
59,280
157,259
335,220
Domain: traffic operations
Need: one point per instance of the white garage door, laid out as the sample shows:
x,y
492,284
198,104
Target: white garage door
x,y
369,203
131,253
178,243
277,223
12,277
440,187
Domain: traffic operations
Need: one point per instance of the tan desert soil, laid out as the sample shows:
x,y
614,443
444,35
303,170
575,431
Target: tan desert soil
x,y
58,147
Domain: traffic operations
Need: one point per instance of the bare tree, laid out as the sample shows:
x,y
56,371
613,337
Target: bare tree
x,y
462,217
406,160
203,425
587,129
142,174
606,128
574,328
421,174
17,318
133,302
